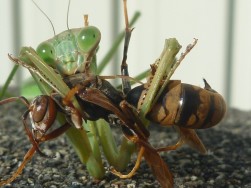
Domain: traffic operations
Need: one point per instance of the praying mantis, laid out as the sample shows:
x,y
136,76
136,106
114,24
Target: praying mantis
x,y
65,70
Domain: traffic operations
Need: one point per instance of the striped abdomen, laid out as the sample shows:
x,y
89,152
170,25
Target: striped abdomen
x,y
188,106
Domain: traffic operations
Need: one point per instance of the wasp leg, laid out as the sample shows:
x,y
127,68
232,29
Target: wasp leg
x,y
24,117
187,136
12,99
172,147
135,168
67,100
26,159
57,132
31,138
75,113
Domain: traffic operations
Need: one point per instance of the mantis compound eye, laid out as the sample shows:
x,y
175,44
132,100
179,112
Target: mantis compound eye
x,y
88,39
47,52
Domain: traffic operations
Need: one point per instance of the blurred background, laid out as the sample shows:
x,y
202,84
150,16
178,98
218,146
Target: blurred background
x,y
222,27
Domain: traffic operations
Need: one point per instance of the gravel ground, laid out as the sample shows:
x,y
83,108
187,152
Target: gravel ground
x,y
227,164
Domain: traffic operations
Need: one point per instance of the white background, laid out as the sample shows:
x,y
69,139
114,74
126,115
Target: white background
x,y
160,19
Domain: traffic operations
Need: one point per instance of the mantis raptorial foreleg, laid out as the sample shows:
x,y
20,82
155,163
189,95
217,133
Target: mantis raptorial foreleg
x,y
162,71
165,63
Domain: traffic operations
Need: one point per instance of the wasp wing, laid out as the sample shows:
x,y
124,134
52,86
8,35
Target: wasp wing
x,y
159,168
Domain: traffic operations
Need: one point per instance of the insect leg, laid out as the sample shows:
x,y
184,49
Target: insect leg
x,y
75,114
30,135
187,136
152,157
12,99
126,86
172,147
135,168
175,65
26,159
57,132
24,117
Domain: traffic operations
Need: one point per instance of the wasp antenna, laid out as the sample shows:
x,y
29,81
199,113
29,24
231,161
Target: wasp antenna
x,y
45,16
68,10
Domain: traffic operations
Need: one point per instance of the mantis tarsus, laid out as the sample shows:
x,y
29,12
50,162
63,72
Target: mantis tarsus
x,y
65,66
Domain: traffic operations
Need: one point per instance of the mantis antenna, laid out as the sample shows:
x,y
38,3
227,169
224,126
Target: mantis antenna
x,y
45,16
68,9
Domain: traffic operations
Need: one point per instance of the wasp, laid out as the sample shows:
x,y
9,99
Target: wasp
x,y
186,107
101,100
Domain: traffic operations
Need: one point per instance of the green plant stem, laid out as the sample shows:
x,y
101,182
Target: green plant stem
x,y
7,83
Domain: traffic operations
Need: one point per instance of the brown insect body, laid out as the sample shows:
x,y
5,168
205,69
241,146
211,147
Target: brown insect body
x,y
92,111
185,105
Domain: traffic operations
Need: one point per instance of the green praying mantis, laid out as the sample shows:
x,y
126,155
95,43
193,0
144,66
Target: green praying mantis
x,y
86,104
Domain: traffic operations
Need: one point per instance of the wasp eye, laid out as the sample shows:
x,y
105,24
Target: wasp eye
x,y
88,38
40,107
47,52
